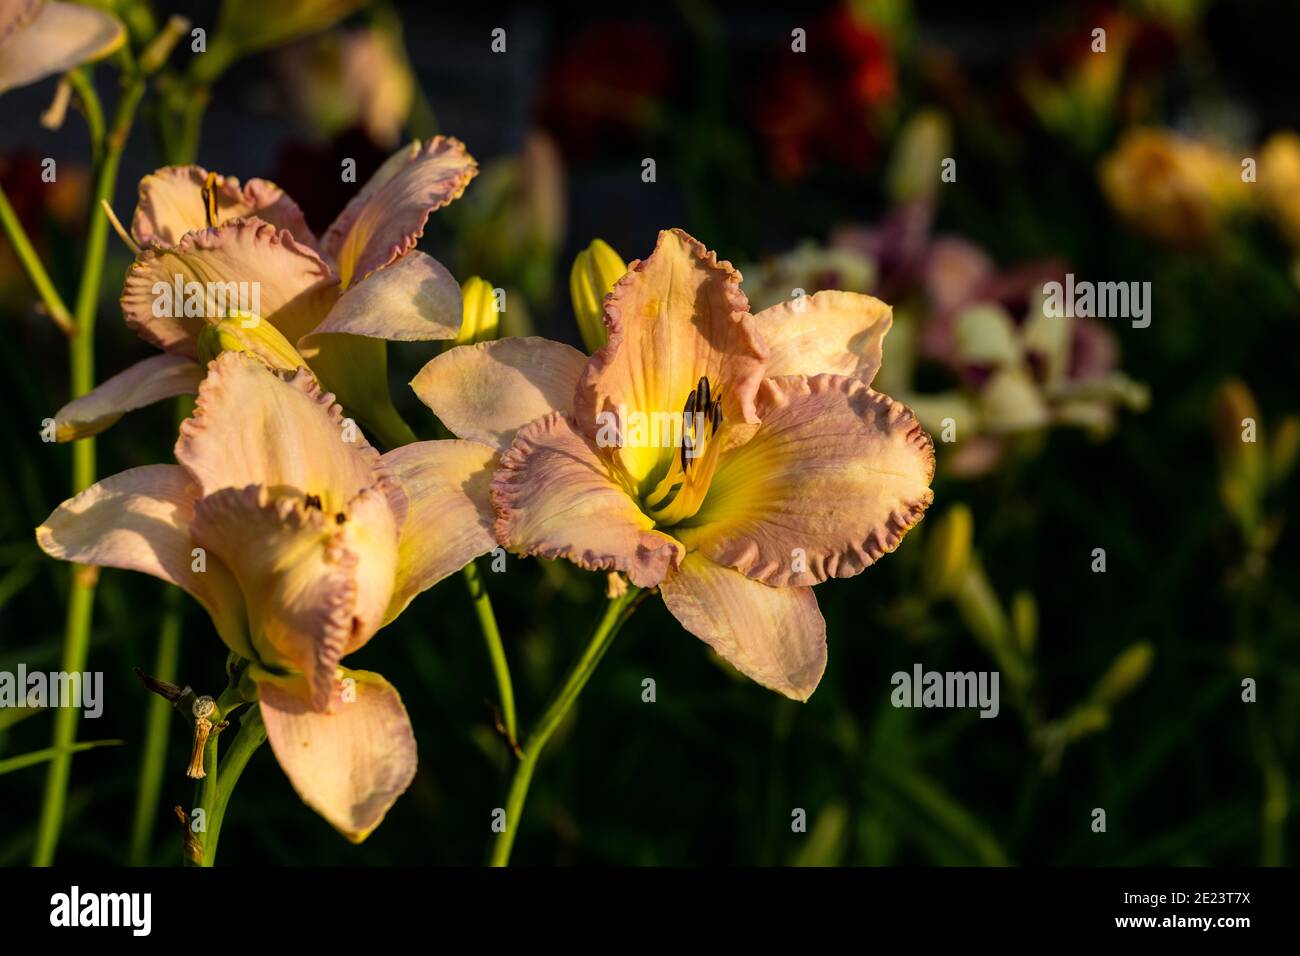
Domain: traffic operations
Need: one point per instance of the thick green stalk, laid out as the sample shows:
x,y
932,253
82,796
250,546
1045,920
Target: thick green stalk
x,y
213,790
616,613
76,638
252,734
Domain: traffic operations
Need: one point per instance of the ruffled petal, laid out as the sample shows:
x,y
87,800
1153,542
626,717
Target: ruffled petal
x,y
253,426
244,265
351,763
449,514
775,636
315,588
487,392
556,497
386,218
147,381
414,300
37,41
171,204
673,319
139,520
833,478
837,332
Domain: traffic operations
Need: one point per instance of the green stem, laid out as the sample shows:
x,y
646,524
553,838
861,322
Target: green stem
x,y
616,614
496,651
157,723
252,734
35,270
76,638
81,81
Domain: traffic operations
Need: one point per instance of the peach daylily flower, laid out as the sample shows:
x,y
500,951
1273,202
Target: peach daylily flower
x,y
39,39
797,471
311,541
336,299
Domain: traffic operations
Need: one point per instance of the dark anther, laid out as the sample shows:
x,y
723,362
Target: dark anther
x,y
313,501
340,518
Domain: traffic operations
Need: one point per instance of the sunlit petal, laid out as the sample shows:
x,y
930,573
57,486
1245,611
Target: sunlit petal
x,y
832,479
147,381
349,764
775,636
837,332
487,392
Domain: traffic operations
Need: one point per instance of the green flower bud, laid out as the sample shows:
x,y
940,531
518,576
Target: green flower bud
x,y
481,319
949,548
1125,672
595,270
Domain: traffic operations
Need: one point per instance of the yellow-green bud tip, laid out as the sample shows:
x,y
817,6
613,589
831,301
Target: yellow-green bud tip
x,y
481,312
595,270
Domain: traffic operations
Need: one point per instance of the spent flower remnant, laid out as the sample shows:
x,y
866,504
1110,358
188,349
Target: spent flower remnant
x,y
301,542
335,299
769,466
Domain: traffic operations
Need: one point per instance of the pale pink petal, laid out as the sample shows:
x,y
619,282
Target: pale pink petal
x,y
775,636
832,479
253,426
449,514
414,300
315,588
171,204
349,764
39,41
487,392
140,520
386,218
246,264
673,319
147,381
837,332
16,14
556,497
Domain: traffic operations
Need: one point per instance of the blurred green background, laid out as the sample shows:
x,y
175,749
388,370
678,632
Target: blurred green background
x,y
1121,690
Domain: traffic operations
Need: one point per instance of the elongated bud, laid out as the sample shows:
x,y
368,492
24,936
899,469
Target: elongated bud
x,y
949,550
1024,622
242,332
1125,672
481,318
595,270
